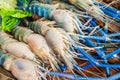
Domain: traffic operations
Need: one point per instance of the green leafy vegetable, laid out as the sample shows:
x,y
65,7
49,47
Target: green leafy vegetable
x,y
10,18
8,23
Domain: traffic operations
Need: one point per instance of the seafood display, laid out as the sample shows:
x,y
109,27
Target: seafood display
x,y
37,43
59,40
60,44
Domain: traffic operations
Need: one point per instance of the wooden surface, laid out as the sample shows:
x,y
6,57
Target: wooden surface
x,y
6,75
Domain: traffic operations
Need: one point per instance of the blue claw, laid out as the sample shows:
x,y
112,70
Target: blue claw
x,y
109,10
100,38
70,76
87,66
73,77
63,68
110,55
93,61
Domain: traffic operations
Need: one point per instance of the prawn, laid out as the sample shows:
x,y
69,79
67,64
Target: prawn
x,y
20,68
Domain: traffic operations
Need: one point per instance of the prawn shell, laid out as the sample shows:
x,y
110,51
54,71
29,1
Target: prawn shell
x,y
21,33
35,26
19,49
4,40
39,45
65,20
49,37
23,70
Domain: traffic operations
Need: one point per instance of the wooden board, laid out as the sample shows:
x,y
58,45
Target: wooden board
x,y
6,75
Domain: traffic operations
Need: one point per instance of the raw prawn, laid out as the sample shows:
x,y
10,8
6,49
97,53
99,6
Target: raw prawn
x,y
37,43
20,68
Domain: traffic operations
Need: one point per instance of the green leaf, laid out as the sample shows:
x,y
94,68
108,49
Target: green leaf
x,y
8,23
15,13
